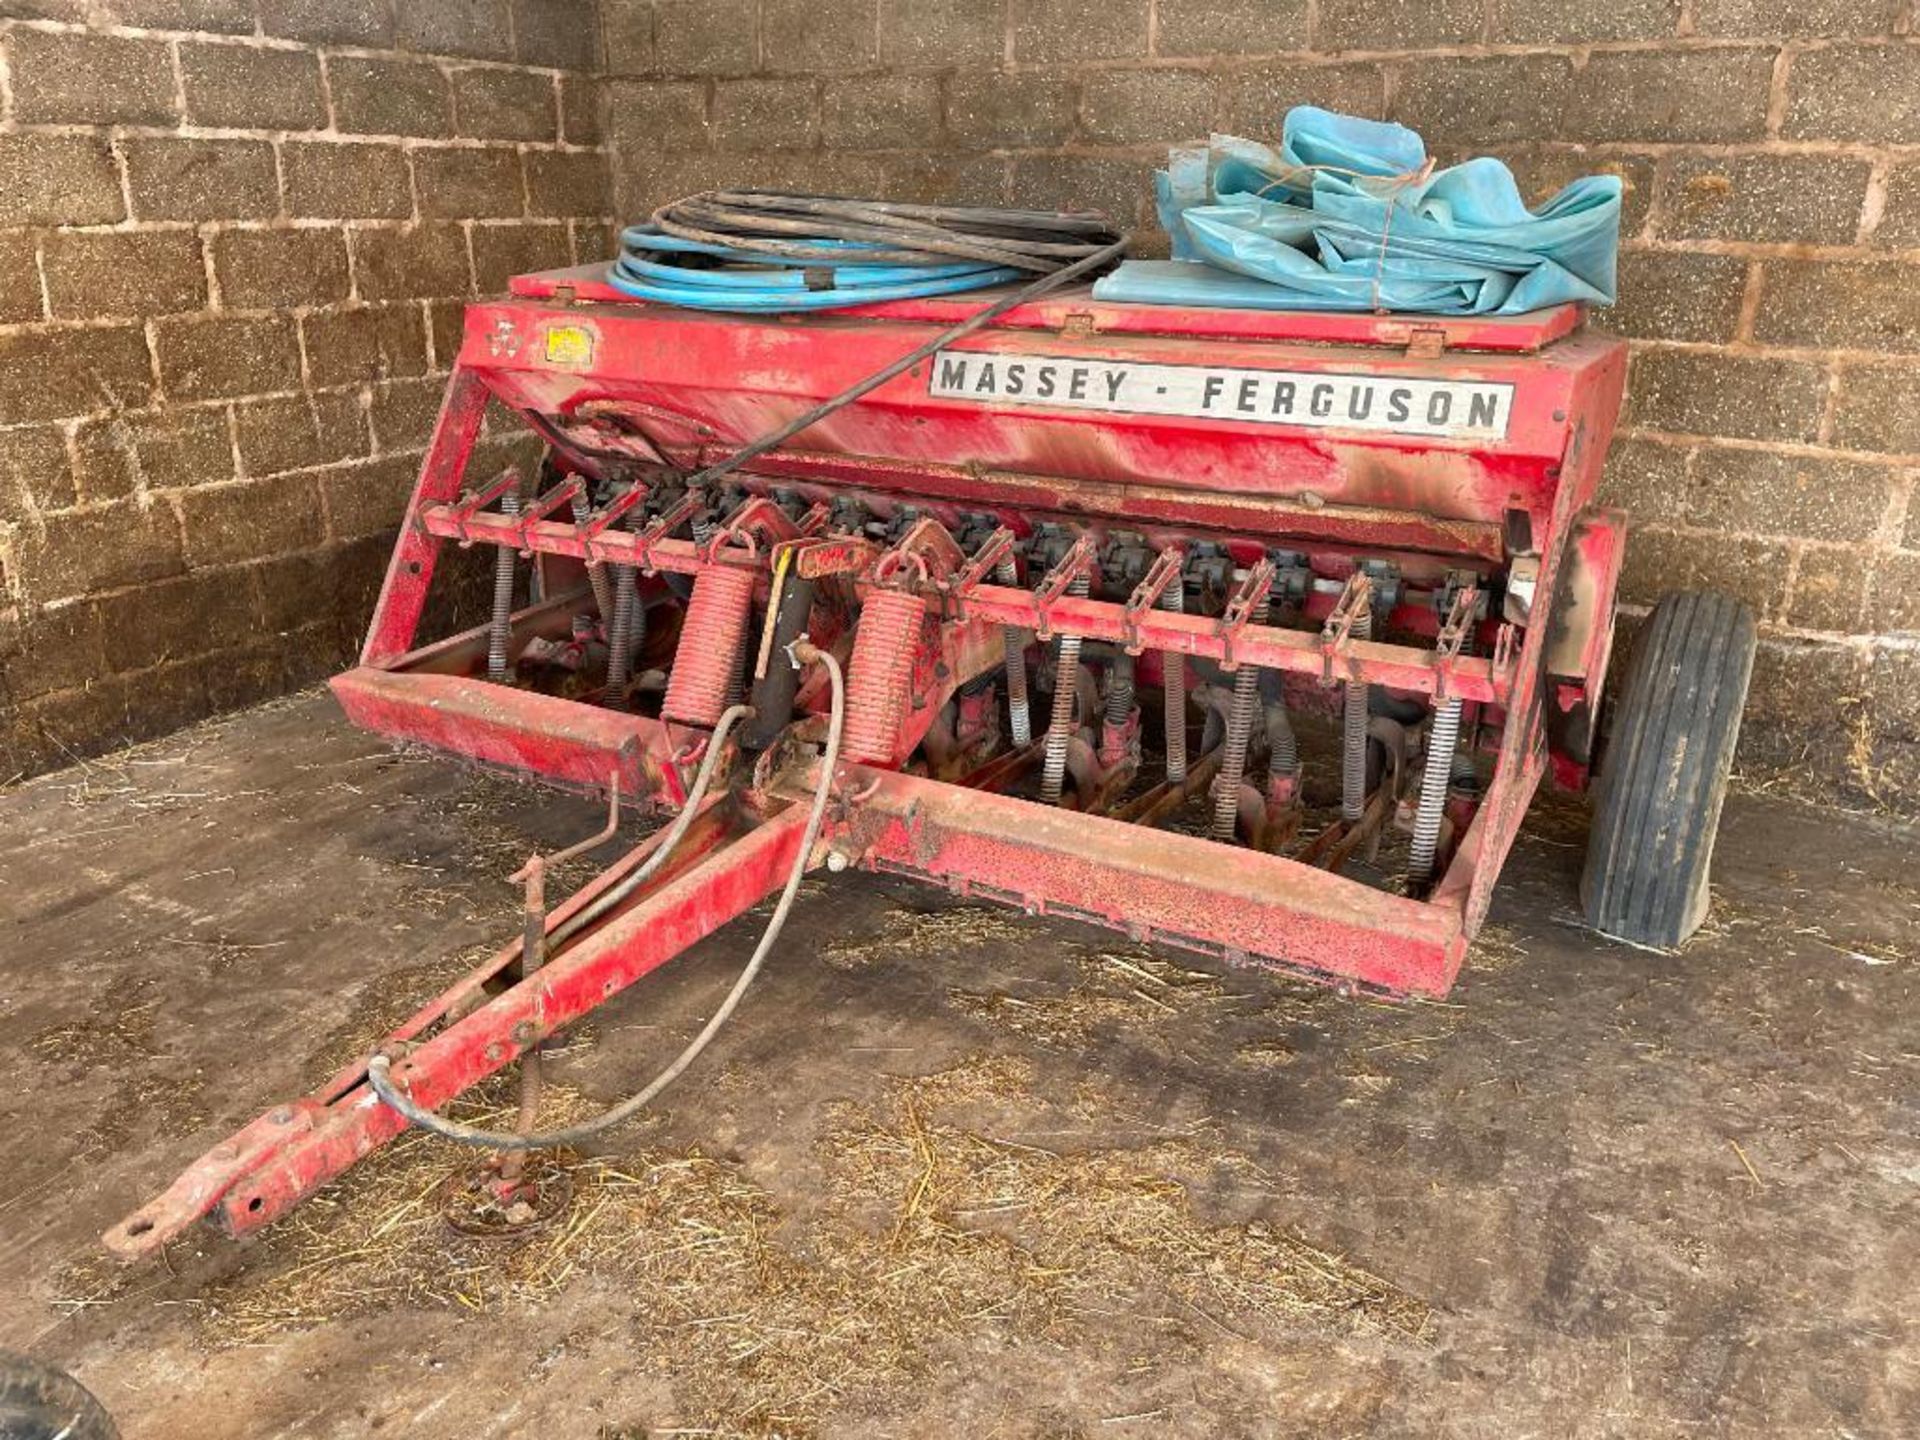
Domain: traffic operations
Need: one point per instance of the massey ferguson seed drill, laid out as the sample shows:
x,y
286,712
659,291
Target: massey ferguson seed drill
x,y
1242,632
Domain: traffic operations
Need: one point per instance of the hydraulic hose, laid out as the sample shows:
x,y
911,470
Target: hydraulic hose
x,y
379,1067
778,291
767,252
696,794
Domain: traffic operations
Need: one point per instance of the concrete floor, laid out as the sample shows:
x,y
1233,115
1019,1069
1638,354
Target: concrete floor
x,y
1640,1195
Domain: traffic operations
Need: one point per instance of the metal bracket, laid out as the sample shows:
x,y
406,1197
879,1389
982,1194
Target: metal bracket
x,y
663,525
757,514
1078,561
1453,638
1164,573
1255,584
927,548
609,517
472,505
1504,641
956,587
547,504
1337,633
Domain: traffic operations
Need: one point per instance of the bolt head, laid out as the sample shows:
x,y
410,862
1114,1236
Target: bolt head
x,y
836,862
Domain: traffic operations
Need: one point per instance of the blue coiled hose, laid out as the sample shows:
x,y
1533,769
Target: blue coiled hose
x,y
654,266
768,252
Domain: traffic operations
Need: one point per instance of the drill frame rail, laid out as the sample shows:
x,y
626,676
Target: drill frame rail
x,y
633,399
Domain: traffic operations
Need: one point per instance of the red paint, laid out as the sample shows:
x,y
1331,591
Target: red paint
x,y
1455,332
560,740
919,624
276,1162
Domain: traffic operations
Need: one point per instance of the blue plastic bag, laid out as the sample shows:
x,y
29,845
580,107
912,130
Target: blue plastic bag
x,y
1347,215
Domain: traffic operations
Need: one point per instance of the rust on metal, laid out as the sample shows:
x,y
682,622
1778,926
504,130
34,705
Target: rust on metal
x,y
918,509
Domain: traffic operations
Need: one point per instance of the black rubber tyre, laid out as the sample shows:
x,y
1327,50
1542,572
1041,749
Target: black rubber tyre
x,y
38,1402
1665,772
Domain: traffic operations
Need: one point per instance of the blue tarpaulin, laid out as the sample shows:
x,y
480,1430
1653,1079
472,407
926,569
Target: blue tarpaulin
x,y
1349,215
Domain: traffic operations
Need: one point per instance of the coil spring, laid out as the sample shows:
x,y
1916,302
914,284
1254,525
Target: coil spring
x,y
703,528
880,678
1442,737
1019,712
1120,690
630,620
1174,666
596,571
620,638
1283,750
500,630
1233,761
1353,738
1066,683
706,662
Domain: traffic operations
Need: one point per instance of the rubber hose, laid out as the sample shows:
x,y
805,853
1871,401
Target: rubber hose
x,y
379,1078
758,251
567,929
697,792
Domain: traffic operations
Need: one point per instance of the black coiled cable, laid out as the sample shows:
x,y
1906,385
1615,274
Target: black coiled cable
x,y
818,229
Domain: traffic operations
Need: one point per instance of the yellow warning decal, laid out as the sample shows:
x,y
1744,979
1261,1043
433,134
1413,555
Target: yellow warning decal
x,y
569,345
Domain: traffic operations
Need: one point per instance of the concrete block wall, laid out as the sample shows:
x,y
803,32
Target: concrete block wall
x,y
235,236
1771,278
